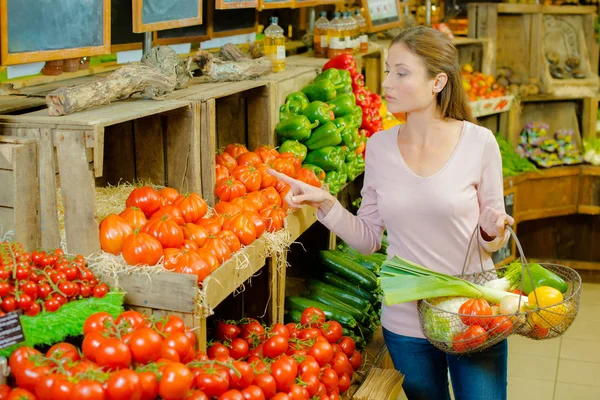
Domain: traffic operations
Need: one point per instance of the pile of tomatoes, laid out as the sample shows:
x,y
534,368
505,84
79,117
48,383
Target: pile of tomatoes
x,y
482,324
134,357
480,86
41,280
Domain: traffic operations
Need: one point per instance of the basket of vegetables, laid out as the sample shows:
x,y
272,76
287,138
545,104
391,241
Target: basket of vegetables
x,y
471,312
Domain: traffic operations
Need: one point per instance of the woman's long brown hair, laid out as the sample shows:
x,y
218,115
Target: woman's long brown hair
x,y
440,55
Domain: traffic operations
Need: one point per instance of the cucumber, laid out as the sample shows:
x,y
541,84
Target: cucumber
x,y
293,316
331,301
338,281
344,295
301,303
376,258
346,332
370,265
349,269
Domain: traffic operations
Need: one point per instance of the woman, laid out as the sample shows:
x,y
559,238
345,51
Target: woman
x,y
430,183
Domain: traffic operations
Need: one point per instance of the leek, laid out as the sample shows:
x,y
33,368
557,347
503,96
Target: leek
x,y
403,281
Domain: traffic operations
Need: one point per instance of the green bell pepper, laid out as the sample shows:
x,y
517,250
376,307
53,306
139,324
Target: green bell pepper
x,y
297,127
351,120
333,75
328,158
322,90
285,112
344,174
351,157
318,171
343,105
358,115
325,135
344,89
349,132
294,147
318,111
334,181
355,165
345,76
296,102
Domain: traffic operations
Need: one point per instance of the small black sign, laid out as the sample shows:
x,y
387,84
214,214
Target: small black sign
x,y
11,331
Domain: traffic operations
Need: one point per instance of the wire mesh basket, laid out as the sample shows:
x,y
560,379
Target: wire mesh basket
x,y
456,333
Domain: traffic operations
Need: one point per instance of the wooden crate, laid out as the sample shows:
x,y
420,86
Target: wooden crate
x,y
589,190
137,139
475,52
20,193
516,34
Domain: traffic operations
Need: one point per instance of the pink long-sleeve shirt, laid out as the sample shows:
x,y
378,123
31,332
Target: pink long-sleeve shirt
x,y
429,220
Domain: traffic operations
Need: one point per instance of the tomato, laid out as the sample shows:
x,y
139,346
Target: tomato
x,y
243,227
62,388
275,346
5,288
97,322
309,366
213,224
4,391
213,382
21,394
100,291
30,288
231,240
341,364
187,262
285,166
322,352
146,199
113,354
332,331
272,196
227,331
221,172
266,383
88,390
330,379
63,351
172,212
267,180
29,374
236,149
279,329
471,338
230,188
244,204
142,249
176,381
178,341
284,370
292,329
253,331
274,217
348,346
124,385
113,232
219,248
193,207
34,310
258,221
145,345
9,304
25,301
51,305
217,350
165,230
257,363
245,378
196,233
248,159
307,176
239,349
131,320
267,153
249,176
501,325
171,325
312,382
475,312
227,208
196,395
232,395
281,396
540,331
169,194
356,360
134,217
312,317
308,333
298,392
253,392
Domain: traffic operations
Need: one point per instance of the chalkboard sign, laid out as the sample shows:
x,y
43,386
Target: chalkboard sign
x,y
11,331
268,4
42,30
381,14
122,36
155,15
234,22
188,34
506,252
229,4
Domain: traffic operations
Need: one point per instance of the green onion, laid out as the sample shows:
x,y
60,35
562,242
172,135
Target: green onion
x,y
403,281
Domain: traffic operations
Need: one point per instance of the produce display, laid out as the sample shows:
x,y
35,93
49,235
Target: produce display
x,y
480,86
517,84
512,163
461,316
591,150
547,150
136,357
348,292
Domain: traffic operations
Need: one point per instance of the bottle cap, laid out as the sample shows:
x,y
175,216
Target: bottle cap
x,y
323,14
274,20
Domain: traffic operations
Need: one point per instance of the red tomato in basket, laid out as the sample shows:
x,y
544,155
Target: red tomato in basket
x,y
472,338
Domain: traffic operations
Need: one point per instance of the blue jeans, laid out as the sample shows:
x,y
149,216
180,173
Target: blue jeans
x,y
478,376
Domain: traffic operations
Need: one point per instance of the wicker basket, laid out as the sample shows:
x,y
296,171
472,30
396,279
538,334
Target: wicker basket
x,y
440,327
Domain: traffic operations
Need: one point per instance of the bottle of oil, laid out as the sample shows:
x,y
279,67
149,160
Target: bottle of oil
x,y
347,29
355,34
362,31
275,45
337,43
322,35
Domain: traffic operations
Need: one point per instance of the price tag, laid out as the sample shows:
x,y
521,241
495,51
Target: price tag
x,y
11,331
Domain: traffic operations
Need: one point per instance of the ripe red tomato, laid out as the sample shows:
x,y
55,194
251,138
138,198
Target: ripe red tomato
x,y
169,194
312,317
145,345
236,149
143,249
34,310
97,322
62,351
176,381
245,378
281,396
146,199
100,290
171,212
322,352
89,390
213,382
284,370
332,331
309,366
232,394
239,349
476,312
472,338
356,360
165,230
113,354
275,346
341,364
196,395
330,379
253,331
267,383
217,350
348,346
253,392
179,342
130,320
4,391
113,232
134,217
21,394
91,344
312,382
171,325
500,326
124,385
298,392
9,304
192,205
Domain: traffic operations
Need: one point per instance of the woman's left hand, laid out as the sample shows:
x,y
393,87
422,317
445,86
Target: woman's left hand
x,y
493,222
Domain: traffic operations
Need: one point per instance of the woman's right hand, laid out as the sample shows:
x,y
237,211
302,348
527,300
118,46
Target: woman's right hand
x,y
302,193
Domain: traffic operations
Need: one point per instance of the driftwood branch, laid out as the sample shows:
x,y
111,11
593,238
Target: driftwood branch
x,y
217,70
159,74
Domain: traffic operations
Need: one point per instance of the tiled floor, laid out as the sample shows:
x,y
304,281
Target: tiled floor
x,y
563,368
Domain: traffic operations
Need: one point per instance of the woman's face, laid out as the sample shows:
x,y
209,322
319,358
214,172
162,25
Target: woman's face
x,y
407,84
